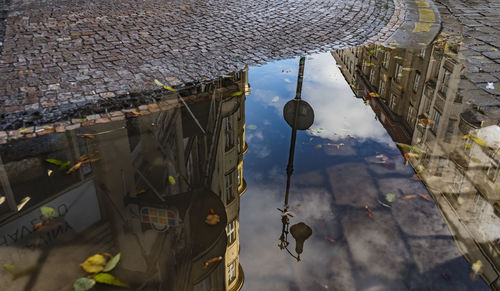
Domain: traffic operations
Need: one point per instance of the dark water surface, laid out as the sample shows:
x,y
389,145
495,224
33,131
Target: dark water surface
x,y
193,196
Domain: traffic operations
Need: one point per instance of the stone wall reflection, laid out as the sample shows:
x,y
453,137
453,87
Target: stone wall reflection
x,y
417,96
157,177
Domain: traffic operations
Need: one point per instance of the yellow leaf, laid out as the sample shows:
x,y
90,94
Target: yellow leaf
x,y
398,57
169,88
158,83
171,179
373,94
94,264
478,141
109,279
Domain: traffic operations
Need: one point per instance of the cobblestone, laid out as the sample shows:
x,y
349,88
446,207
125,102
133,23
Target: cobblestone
x,y
476,24
61,54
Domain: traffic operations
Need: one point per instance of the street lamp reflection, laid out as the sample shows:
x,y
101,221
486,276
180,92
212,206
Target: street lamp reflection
x,y
300,116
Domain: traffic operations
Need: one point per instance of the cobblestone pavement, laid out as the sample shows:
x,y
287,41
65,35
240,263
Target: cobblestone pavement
x,y
60,54
476,24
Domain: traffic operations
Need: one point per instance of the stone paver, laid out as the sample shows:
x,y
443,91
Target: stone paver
x,y
59,55
476,25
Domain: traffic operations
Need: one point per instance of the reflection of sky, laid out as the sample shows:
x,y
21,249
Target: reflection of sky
x,y
336,173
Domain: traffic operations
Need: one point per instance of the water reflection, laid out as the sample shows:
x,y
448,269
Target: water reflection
x,y
161,188
418,96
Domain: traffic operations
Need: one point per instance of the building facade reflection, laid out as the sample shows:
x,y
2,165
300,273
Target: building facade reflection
x,y
153,183
418,96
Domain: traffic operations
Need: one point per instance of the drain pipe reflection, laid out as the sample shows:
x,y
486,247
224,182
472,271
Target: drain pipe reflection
x,y
300,116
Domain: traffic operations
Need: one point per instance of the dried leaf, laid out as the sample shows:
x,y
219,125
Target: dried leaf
x,y
74,168
476,160
368,211
87,156
108,279
212,219
48,212
49,172
211,211
86,135
373,94
211,261
83,284
330,239
171,179
112,263
94,264
398,57
425,196
409,196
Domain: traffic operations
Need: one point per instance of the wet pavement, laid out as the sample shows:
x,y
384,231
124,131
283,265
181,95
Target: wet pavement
x,y
58,56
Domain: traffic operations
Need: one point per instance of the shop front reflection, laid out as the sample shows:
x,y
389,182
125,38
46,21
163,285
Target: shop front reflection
x,y
422,98
160,186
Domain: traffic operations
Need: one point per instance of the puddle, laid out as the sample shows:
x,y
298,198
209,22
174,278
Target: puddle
x,y
395,182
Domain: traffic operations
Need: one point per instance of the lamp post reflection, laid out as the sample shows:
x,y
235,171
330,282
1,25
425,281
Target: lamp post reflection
x,y
300,116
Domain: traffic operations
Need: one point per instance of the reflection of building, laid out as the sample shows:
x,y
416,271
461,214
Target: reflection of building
x,y
417,96
157,178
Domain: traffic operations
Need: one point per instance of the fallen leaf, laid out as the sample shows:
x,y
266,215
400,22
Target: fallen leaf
x,y
74,168
10,268
48,212
2,199
23,202
171,179
478,141
158,83
62,164
398,57
410,148
83,284
109,279
420,168
211,211
409,196
86,135
169,88
235,94
390,197
368,211
383,204
46,225
112,263
212,219
330,239
373,94
476,160
87,156
211,261
94,264
49,172
425,196
426,122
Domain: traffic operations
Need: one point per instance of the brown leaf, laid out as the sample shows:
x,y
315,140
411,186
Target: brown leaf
x,y
211,261
87,156
368,211
87,135
409,196
74,168
425,196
